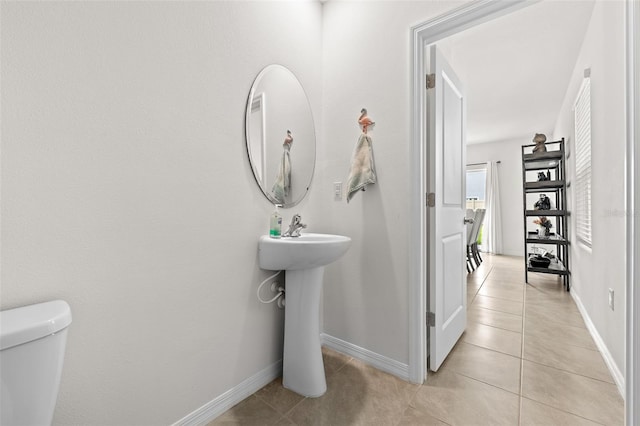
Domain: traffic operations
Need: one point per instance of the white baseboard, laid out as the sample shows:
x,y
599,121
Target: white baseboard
x,y
617,375
222,403
376,360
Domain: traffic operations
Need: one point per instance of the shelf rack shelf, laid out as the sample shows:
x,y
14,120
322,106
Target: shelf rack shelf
x,y
534,238
544,186
553,162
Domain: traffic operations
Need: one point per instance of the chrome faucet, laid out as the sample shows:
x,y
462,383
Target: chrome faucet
x,y
295,227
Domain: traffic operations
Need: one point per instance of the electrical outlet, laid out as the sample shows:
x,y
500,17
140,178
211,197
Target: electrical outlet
x,y
337,191
611,299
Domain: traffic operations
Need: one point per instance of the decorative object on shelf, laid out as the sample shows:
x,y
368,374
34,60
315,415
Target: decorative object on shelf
x,y
539,261
363,169
539,139
544,226
543,203
542,176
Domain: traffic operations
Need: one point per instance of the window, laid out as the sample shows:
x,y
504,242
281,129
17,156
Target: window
x,y
476,193
582,184
476,186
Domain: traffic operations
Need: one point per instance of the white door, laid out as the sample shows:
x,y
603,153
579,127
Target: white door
x,y
445,215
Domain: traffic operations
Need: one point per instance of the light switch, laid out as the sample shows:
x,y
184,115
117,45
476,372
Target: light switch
x,y
337,191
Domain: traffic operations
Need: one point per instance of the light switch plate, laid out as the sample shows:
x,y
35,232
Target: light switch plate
x,y
611,299
337,191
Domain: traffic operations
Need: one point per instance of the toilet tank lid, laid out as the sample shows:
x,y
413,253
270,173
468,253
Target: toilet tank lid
x,y
28,323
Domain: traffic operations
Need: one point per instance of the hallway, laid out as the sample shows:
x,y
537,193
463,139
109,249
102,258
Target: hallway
x,y
526,358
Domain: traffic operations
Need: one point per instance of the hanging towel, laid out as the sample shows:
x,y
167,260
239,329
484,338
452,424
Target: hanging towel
x,y
282,185
363,169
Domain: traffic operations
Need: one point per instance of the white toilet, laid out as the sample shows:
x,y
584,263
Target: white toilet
x,y
32,343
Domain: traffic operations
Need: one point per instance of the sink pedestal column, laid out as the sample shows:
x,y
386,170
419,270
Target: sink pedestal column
x,y
303,368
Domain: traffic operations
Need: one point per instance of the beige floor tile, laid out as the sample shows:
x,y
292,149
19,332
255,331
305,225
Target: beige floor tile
x,y
333,360
278,397
502,292
475,277
506,275
283,421
535,414
485,365
497,339
502,305
252,411
504,282
479,275
357,394
474,283
553,309
493,318
544,293
555,315
509,261
555,331
545,279
562,313
460,400
585,397
574,359
414,417
539,300
482,271
473,286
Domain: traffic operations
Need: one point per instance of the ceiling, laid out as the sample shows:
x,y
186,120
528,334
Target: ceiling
x,y
516,68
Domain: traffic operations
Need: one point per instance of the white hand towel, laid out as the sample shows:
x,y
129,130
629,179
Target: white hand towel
x,y
282,185
363,169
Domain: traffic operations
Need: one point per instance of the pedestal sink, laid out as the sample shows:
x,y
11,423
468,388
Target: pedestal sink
x,y
303,259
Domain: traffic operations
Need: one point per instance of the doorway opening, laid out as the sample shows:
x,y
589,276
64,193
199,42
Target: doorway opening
x,y
423,35
477,193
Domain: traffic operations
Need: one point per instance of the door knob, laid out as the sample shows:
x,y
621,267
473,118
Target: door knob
x,y
468,220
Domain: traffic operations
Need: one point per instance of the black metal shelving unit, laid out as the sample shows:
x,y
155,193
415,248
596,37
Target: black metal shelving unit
x,y
553,163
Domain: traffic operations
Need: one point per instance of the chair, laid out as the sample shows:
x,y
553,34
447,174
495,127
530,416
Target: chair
x,y
470,214
472,241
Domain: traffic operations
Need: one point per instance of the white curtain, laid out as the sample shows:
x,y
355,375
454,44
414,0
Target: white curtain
x,y
492,232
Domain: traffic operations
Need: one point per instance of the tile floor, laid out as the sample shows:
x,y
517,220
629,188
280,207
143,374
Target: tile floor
x,y
526,358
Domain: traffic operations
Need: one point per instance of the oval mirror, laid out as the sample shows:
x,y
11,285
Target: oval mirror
x,y
280,136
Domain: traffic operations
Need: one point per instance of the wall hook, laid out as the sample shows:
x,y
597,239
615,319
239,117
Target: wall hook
x,y
364,120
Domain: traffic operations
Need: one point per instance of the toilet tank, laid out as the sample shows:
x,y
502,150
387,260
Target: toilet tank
x,y
32,344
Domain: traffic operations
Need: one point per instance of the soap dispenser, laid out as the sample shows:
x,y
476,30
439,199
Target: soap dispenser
x,y
275,226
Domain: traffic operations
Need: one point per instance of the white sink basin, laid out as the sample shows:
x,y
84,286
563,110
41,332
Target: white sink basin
x,y
303,259
303,252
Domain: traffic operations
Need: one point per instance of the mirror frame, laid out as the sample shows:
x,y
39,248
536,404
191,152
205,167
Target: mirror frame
x,y
262,182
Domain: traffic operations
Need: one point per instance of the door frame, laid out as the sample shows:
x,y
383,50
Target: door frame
x,y
427,33
632,180
452,22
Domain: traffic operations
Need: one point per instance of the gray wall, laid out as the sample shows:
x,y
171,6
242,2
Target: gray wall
x,y
126,191
367,53
597,268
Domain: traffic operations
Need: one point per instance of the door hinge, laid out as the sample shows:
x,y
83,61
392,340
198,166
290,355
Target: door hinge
x,y
431,81
431,199
431,319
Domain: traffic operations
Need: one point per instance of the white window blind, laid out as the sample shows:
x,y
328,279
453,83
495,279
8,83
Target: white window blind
x,y
582,183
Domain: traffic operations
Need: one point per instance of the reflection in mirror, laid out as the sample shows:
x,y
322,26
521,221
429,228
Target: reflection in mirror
x,y
277,113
